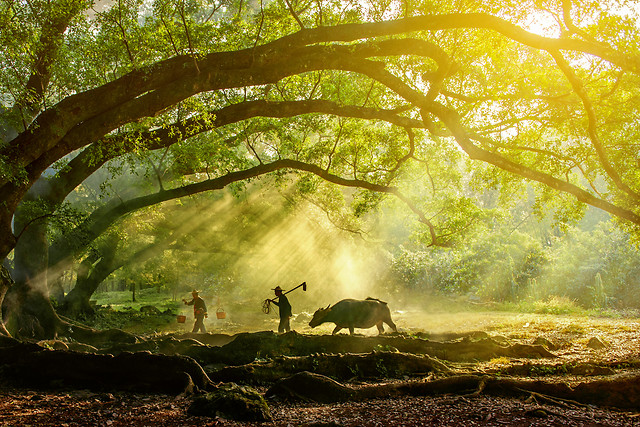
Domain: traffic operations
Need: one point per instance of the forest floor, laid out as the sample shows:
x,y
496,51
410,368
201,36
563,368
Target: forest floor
x,y
618,347
83,408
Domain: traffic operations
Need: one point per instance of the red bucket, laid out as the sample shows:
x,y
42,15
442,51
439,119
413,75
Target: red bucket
x,y
181,318
220,314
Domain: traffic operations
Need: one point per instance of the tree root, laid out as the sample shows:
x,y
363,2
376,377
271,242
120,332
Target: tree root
x,y
246,346
620,392
344,367
558,401
69,328
25,364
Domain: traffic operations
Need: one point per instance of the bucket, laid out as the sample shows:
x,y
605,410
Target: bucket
x,y
181,318
220,314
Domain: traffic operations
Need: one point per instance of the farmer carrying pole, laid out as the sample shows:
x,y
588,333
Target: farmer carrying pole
x,y
284,307
199,311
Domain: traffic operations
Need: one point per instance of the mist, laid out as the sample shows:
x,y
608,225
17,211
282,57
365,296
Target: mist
x,y
235,249
236,245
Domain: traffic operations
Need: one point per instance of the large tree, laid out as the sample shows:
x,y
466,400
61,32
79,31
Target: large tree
x,y
544,92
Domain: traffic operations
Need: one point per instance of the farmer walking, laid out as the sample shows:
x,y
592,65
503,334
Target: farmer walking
x,y
284,307
199,311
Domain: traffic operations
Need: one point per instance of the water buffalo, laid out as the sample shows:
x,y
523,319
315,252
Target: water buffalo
x,y
353,313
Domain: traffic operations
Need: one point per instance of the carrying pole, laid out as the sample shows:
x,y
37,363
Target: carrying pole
x,y
304,288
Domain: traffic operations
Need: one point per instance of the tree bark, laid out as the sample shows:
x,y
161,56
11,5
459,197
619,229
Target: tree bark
x,y
30,314
76,302
27,306
5,283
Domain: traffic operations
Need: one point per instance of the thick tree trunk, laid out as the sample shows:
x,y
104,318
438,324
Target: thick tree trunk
x,y
30,257
29,312
76,302
93,270
97,267
5,284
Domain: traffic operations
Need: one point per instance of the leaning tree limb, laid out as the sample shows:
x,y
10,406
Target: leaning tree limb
x,y
104,217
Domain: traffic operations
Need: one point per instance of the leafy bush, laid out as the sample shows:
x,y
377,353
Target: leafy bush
x,y
568,272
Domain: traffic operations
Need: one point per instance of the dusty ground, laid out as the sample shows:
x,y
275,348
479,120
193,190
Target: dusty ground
x,y
578,329
571,334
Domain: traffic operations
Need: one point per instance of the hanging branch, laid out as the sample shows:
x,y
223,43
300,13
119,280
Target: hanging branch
x,y
316,84
164,23
157,168
260,26
215,9
294,14
578,87
102,218
186,30
335,144
366,99
320,17
409,155
124,33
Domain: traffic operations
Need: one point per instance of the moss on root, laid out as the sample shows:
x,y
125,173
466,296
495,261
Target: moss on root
x,y
233,402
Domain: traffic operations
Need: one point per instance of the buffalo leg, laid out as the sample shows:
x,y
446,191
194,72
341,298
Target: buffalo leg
x,y
350,330
391,324
380,327
336,329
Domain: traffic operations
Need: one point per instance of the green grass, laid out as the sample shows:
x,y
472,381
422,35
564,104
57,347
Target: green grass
x,y
563,306
131,321
122,300
552,305
116,309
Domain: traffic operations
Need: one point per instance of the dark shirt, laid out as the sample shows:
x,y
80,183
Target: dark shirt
x,y
199,307
284,306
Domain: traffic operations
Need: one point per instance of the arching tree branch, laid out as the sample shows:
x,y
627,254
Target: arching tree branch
x,y
104,217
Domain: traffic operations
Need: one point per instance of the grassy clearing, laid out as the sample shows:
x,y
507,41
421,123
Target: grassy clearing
x,y
563,306
123,300
118,310
559,320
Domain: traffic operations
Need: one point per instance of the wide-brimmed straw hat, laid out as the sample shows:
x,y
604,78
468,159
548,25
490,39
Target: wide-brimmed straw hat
x,y
277,288
195,292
